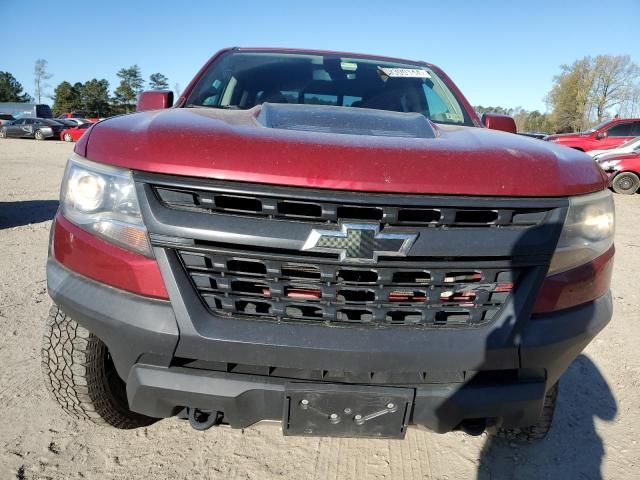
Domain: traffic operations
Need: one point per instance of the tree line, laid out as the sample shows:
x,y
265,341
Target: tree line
x,y
583,94
92,96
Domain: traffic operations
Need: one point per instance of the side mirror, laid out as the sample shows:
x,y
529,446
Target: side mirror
x,y
154,100
495,121
601,135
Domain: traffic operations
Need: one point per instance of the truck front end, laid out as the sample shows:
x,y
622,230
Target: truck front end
x,y
349,269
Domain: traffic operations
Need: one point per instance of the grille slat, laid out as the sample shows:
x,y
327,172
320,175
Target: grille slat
x,y
262,205
332,294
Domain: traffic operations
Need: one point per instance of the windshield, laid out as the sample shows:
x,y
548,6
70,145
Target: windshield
x,y
242,80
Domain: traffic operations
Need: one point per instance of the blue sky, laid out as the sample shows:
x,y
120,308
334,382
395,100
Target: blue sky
x,y
498,52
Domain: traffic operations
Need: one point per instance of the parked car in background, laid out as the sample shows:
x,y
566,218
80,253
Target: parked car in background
x,y
78,115
68,122
71,115
73,122
5,118
73,134
607,135
630,146
38,128
19,110
623,171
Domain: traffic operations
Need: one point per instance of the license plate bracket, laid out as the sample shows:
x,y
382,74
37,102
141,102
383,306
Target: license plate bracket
x,y
346,410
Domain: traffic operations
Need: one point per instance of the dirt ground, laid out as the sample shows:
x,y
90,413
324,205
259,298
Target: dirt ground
x,y
595,435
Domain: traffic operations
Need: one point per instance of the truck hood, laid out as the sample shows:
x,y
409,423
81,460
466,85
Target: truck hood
x,y
244,146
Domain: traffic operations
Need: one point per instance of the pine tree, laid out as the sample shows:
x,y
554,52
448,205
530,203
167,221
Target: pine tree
x,y
131,84
158,81
11,89
66,98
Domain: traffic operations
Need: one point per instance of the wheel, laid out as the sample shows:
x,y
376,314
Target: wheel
x,y
626,183
537,432
38,135
67,137
81,377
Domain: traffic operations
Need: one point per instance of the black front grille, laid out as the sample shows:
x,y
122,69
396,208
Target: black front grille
x,y
332,212
242,246
305,290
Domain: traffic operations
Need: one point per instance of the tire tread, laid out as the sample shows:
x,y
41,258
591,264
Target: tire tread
x,y
73,365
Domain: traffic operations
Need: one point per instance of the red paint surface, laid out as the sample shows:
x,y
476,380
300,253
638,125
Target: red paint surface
x,y
504,123
459,161
576,286
154,100
94,258
629,162
590,141
81,146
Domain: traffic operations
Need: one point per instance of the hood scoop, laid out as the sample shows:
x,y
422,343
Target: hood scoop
x,y
345,120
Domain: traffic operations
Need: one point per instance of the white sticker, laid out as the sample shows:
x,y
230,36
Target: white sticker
x,y
349,66
402,72
455,117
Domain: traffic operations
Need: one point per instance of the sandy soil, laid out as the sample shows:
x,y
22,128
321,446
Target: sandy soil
x,y
595,434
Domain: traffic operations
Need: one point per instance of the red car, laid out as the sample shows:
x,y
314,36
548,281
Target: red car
x,y
73,134
331,240
624,172
609,134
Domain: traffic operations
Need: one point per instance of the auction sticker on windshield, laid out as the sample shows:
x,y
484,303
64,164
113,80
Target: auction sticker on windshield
x,y
402,72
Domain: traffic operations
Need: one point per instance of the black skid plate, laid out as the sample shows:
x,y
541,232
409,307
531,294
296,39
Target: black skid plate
x,y
346,410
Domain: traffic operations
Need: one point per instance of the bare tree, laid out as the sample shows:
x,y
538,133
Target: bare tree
x,y
614,82
41,76
591,89
631,107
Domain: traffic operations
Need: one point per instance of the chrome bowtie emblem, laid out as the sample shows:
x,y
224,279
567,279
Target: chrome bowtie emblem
x,y
360,242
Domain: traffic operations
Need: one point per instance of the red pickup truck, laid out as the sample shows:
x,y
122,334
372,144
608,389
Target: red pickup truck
x,y
330,240
609,134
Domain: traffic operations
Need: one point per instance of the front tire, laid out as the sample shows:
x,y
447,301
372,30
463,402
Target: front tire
x,y
3,133
626,183
67,137
81,377
38,135
539,431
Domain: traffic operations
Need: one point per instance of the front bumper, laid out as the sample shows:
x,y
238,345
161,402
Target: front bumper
x,y
143,336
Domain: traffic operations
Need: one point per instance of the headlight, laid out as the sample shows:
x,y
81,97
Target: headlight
x,y
102,200
587,232
609,165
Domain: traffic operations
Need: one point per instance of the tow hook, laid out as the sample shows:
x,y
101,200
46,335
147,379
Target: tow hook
x,y
203,419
